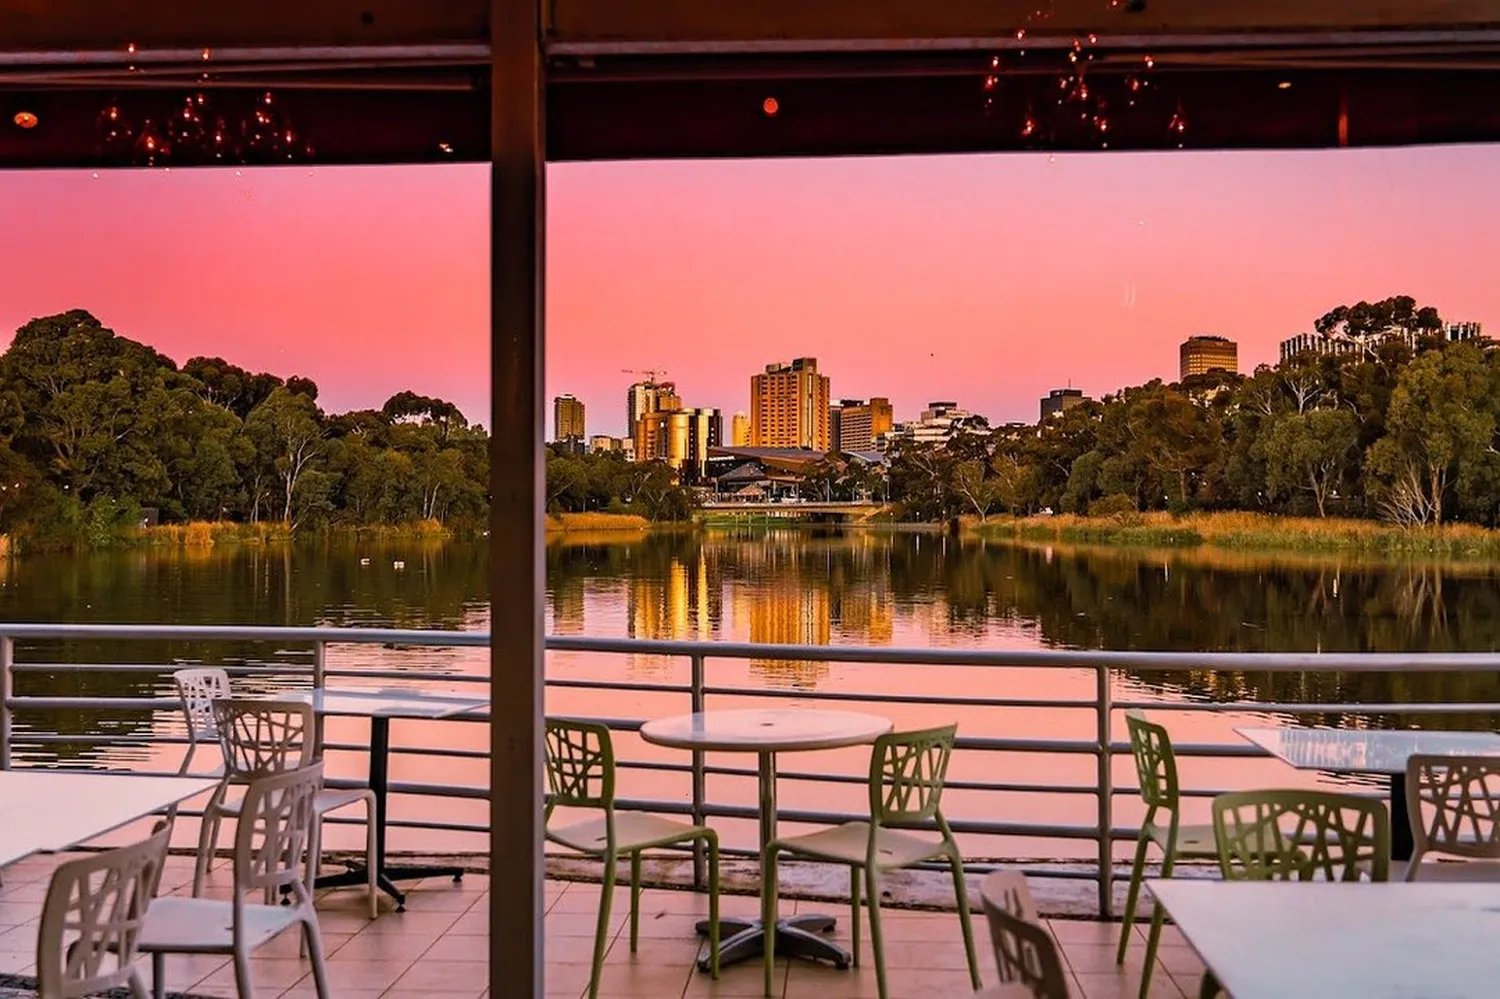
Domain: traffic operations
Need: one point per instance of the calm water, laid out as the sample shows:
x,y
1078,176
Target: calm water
x,y
806,587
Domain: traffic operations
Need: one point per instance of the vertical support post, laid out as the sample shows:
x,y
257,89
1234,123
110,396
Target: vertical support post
x,y
517,226
700,872
1104,706
7,660
320,680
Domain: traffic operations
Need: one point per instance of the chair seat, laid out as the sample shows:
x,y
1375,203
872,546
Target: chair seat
x,y
633,831
849,844
327,800
206,925
1192,841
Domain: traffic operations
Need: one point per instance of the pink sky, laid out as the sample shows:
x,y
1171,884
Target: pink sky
x,y
985,279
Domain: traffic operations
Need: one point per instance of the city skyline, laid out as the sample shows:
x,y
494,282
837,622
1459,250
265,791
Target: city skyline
x,y
990,279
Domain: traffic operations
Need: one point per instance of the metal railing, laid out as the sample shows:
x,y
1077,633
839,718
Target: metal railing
x,y
313,660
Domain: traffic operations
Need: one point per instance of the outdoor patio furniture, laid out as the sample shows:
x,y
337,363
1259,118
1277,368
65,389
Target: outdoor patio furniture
x,y
1156,771
1025,952
1398,941
272,839
380,707
260,738
907,771
1454,804
1299,836
1370,751
198,688
92,918
767,732
581,774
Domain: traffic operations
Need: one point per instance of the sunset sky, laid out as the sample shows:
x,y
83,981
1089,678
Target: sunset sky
x,y
984,279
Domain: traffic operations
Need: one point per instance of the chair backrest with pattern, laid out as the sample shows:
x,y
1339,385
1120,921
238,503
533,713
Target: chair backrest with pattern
x,y
580,764
271,836
92,917
1301,836
1025,952
198,688
261,737
1155,763
907,772
1454,804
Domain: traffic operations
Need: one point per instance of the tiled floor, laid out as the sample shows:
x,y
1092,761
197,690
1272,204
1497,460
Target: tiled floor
x,y
438,948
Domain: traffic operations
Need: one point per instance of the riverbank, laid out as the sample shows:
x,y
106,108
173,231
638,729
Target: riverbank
x,y
203,534
561,523
1248,532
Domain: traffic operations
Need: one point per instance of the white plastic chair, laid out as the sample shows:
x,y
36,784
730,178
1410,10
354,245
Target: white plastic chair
x,y
1025,953
198,688
259,738
92,919
272,838
1454,805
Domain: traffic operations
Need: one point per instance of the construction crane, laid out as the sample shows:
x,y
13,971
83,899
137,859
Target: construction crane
x,y
650,373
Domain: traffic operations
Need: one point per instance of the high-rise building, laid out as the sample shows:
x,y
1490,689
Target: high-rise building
x,y
1199,355
648,397
1060,400
789,406
739,434
567,420
679,437
857,424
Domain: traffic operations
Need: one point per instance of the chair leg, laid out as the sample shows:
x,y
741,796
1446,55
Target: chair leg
x,y
635,899
713,903
1133,896
1208,987
877,945
854,914
601,932
208,841
159,975
371,861
244,982
768,919
1153,939
312,939
137,984
961,890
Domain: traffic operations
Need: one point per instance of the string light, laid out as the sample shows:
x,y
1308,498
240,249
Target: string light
x,y
199,132
1178,125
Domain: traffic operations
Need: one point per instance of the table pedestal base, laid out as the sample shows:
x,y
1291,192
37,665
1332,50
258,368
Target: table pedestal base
x,y
796,936
358,875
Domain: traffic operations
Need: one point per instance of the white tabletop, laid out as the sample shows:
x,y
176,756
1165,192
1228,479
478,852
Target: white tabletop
x,y
766,731
1340,750
48,810
1285,940
388,703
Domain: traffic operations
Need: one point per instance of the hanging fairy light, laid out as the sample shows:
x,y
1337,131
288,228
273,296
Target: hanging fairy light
x,y
1178,126
197,130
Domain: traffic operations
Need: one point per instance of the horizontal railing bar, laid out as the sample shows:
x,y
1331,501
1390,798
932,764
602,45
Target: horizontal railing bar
x,y
1262,707
649,688
840,695
290,669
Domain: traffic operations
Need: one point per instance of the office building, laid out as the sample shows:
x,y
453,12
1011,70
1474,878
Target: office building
x,y
1060,400
648,397
789,406
1201,354
739,434
939,422
567,420
856,424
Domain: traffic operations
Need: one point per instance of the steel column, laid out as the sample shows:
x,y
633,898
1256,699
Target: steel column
x,y
517,224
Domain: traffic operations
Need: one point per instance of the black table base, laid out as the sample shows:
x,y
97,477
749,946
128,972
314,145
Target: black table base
x,y
386,875
796,936
1402,843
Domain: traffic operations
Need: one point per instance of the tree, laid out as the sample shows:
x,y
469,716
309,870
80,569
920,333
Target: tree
x,y
288,435
975,488
1310,451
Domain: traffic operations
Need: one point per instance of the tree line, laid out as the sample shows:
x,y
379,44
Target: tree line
x,y
95,428
1404,427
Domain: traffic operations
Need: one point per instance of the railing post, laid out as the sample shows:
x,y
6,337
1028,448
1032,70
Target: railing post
x,y
1106,797
7,659
699,871
320,679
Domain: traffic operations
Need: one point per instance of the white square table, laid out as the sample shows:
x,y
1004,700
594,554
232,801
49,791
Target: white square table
x,y
380,706
1355,751
1285,940
44,811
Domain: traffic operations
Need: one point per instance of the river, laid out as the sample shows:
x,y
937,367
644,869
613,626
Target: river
x,y
802,586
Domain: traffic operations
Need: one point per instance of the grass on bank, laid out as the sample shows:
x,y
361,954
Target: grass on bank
x,y
1250,531
207,534
558,523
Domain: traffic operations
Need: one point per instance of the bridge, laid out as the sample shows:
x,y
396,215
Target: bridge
x,y
831,509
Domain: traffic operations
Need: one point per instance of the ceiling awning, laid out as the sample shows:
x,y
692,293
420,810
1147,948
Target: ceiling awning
x,y
380,81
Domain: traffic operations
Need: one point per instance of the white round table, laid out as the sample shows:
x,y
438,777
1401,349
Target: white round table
x,y
766,733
